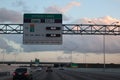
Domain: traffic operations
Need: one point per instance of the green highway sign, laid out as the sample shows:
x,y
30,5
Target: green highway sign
x,y
37,61
42,16
74,65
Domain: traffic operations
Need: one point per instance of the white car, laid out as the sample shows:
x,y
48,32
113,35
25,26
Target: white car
x,y
39,69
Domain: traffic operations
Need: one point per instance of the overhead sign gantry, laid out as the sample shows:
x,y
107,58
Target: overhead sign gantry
x,y
69,29
42,29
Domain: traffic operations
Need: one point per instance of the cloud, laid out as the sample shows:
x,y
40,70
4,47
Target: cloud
x,y
9,46
80,44
4,46
10,16
100,20
65,9
93,44
64,58
62,10
69,6
75,43
21,4
15,46
56,9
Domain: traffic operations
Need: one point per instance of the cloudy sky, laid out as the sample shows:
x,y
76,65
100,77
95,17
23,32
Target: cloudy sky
x,y
74,11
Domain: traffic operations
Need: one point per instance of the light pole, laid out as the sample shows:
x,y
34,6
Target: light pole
x,y
15,57
92,22
4,56
71,50
72,54
104,48
104,58
86,61
114,23
71,57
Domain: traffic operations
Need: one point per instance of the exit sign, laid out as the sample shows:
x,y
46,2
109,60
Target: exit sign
x,y
42,29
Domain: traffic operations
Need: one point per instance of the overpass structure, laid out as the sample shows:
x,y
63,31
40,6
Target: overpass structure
x,y
76,29
28,62
65,64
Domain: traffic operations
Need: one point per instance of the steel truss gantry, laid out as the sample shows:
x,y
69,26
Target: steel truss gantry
x,y
80,29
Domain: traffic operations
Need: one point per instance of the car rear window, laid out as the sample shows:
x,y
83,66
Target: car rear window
x,y
21,70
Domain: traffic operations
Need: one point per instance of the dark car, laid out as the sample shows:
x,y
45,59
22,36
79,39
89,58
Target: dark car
x,y
22,74
61,68
49,69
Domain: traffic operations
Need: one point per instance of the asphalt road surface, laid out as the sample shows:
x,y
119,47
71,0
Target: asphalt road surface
x,y
74,75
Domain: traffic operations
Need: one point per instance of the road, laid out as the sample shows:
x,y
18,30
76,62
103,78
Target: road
x,y
73,75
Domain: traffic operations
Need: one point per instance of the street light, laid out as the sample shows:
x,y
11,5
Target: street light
x,y
71,49
104,48
92,22
86,65
3,56
104,57
114,23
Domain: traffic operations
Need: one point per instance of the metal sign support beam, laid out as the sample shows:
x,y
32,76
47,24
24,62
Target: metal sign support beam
x,y
68,29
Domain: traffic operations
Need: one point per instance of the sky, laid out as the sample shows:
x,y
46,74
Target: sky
x,y
73,11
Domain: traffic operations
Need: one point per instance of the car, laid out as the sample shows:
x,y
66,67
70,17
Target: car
x,y
49,69
22,74
61,68
39,69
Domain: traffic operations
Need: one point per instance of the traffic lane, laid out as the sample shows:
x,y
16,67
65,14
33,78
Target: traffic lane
x,y
57,75
36,75
39,75
71,75
92,76
43,75
60,75
108,74
65,76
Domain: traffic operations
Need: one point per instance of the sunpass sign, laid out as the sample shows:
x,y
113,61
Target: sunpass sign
x,y
42,29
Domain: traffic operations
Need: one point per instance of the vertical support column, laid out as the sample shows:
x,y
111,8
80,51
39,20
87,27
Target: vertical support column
x,y
104,58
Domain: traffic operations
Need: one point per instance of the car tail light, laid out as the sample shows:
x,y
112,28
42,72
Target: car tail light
x,y
26,74
14,73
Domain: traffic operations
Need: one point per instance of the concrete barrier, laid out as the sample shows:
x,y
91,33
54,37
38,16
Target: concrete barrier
x,y
2,74
6,78
113,70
